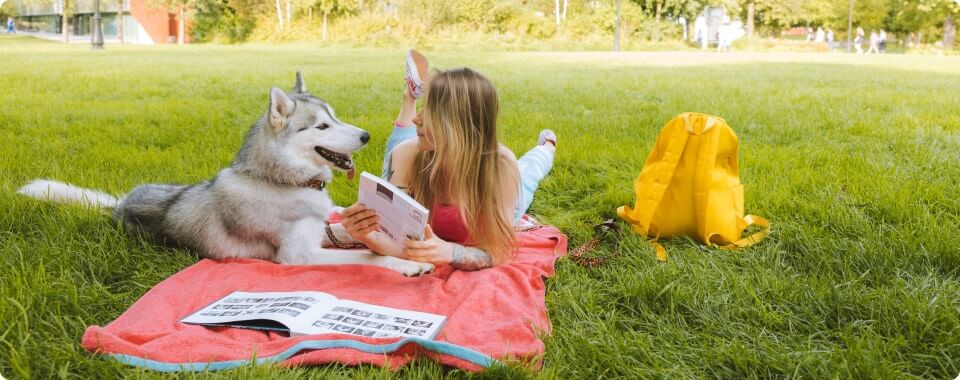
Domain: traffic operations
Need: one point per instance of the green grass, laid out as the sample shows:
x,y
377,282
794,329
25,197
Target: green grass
x,y
855,160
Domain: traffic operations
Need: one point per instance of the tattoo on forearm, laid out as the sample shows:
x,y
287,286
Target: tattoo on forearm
x,y
467,258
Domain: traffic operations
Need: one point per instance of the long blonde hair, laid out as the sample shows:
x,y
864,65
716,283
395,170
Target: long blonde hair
x,y
460,111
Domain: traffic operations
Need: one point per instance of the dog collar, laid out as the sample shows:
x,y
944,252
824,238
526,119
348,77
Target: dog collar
x,y
315,183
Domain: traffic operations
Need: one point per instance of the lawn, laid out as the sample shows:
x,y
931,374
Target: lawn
x,y
854,159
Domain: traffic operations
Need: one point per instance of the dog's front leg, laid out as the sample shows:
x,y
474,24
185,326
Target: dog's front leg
x,y
302,245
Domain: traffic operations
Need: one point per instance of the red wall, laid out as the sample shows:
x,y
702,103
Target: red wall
x,y
158,23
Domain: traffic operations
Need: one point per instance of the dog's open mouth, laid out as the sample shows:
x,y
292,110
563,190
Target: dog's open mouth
x,y
340,160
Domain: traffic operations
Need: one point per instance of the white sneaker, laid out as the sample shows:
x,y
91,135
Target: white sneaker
x,y
546,136
417,71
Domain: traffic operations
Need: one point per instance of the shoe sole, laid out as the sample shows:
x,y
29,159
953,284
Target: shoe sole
x,y
417,67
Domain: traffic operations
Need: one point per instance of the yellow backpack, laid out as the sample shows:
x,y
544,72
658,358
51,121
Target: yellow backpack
x,y
690,185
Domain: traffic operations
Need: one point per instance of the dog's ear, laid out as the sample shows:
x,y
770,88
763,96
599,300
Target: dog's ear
x,y
281,107
300,87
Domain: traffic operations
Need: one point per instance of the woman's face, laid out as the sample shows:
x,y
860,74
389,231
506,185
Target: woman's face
x,y
424,136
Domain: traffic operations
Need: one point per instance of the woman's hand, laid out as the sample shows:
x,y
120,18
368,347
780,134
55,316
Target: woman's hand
x,y
360,222
431,249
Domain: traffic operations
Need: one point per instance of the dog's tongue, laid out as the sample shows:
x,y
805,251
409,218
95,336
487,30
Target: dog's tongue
x,y
350,174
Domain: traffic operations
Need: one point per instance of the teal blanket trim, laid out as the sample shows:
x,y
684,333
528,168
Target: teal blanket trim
x,y
432,345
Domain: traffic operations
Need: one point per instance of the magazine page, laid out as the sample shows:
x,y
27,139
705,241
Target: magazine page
x,y
400,215
361,319
257,309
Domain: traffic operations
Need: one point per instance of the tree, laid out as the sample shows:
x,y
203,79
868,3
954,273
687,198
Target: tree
x,y
556,11
689,9
279,14
773,13
919,14
332,8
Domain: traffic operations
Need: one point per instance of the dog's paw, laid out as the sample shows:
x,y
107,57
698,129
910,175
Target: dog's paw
x,y
408,268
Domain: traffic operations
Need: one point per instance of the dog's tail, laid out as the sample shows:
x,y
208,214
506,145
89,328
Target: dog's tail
x,y
60,192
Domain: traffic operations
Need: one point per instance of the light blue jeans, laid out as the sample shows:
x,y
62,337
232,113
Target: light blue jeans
x,y
534,166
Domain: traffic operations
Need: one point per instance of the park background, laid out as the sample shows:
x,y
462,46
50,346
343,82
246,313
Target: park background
x,y
917,25
855,159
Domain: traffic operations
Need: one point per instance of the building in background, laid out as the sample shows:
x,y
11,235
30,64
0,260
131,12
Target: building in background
x,y
143,22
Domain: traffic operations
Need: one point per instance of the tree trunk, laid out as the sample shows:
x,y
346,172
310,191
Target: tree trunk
x,y
288,12
310,15
279,14
564,16
325,26
949,31
691,30
65,24
659,10
120,22
181,25
751,8
556,10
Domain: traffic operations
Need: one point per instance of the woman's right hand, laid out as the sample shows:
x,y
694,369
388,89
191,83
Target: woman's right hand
x,y
360,222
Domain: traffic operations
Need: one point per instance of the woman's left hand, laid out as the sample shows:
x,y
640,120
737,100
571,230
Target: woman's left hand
x,y
431,249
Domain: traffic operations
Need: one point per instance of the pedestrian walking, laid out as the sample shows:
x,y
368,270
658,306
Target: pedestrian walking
x,y
874,42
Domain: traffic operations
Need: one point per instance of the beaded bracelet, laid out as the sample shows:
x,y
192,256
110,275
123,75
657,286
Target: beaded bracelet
x,y
337,243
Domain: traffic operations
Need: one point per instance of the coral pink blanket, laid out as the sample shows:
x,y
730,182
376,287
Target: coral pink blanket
x,y
492,314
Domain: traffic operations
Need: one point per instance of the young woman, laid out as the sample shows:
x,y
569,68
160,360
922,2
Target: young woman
x,y
447,157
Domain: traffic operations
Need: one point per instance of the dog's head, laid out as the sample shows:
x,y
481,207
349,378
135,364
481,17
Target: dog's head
x,y
310,132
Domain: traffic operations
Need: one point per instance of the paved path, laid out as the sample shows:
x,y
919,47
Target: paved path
x,y
74,39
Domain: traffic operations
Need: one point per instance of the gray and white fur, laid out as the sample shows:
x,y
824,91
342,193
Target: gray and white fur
x,y
271,203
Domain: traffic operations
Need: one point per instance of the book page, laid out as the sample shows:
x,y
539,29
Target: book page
x,y
361,319
400,215
282,307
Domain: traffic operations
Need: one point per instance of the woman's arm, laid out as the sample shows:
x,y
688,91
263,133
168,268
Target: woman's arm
x,y
510,186
435,250
469,258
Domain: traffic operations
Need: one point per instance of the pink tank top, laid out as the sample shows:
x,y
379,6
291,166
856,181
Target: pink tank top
x,y
448,224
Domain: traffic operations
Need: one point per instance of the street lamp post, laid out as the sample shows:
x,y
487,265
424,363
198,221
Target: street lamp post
x,y
849,26
616,29
96,41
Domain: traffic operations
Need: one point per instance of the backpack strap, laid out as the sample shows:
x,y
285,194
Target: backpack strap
x,y
658,249
755,237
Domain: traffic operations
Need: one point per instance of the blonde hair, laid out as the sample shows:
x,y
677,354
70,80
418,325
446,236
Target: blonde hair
x,y
460,111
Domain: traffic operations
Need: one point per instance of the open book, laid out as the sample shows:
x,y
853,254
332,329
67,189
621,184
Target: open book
x,y
401,216
306,313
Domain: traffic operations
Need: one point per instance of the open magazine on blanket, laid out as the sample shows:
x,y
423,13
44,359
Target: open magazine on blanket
x,y
307,313
401,216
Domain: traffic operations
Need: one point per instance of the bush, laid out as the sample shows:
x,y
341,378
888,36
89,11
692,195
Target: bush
x,y
228,21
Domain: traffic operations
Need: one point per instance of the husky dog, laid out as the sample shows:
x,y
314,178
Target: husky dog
x,y
271,203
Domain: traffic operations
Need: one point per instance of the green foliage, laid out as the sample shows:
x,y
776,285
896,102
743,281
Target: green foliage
x,y
227,21
429,21
430,13
920,14
332,7
7,10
